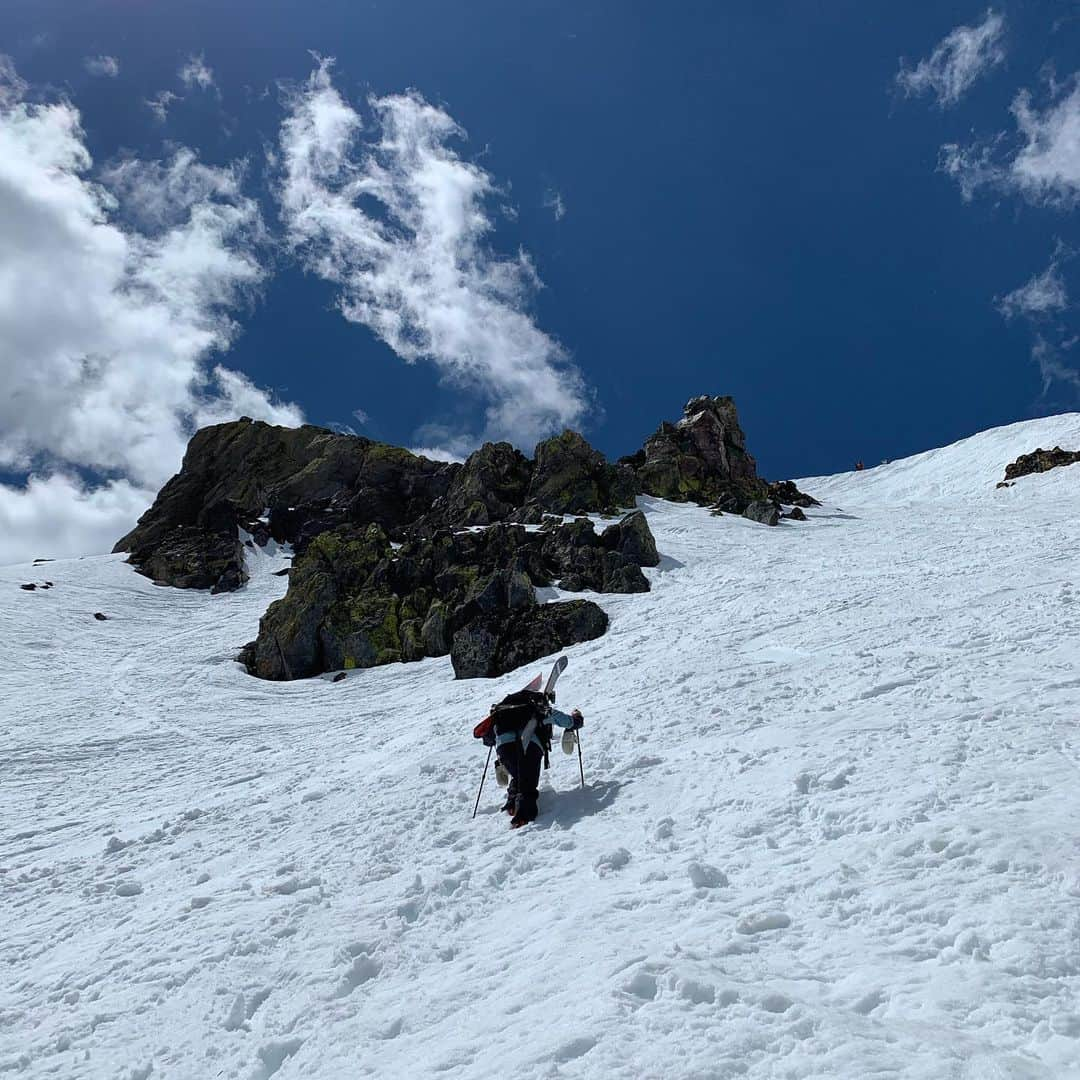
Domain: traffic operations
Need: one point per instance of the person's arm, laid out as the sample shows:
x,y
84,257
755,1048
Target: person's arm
x,y
565,720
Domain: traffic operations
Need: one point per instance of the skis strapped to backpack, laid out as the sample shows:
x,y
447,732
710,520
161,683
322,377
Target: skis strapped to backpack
x,y
523,713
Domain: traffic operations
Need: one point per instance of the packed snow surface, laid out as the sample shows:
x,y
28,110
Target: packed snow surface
x,y
829,827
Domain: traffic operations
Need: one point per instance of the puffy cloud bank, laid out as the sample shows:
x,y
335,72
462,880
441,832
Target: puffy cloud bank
x,y
397,221
108,331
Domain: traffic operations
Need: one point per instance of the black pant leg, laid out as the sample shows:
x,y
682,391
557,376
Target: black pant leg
x,y
529,782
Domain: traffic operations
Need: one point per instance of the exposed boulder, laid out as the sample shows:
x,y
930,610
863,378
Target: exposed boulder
x,y
786,493
795,513
501,641
702,459
763,511
1040,461
570,477
632,538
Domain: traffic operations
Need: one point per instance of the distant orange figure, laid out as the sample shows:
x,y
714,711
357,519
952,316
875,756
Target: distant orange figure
x,y
859,466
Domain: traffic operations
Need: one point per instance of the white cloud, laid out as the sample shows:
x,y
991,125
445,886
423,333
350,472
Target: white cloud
x,y
553,201
1048,356
106,330
959,59
57,516
361,417
159,104
103,66
438,453
1044,169
1047,169
398,223
195,73
1044,294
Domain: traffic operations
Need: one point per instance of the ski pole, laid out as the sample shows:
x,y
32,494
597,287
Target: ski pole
x,y
581,767
482,779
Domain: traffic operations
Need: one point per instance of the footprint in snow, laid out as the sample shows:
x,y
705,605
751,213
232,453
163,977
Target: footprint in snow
x,y
759,921
612,862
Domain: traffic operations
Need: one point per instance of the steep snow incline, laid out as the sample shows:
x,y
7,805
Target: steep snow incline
x,y
969,469
829,827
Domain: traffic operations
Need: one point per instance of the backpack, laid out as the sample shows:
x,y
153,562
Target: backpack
x,y
514,714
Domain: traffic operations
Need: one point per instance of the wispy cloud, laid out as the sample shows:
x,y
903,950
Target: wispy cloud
x,y
1041,162
553,201
195,74
399,223
1045,294
957,62
109,331
102,66
1042,302
160,103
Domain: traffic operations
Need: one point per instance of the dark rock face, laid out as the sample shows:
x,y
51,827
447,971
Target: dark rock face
x,y
787,494
702,459
1040,461
570,477
193,558
311,480
795,513
503,640
633,539
487,488
581,560
354,601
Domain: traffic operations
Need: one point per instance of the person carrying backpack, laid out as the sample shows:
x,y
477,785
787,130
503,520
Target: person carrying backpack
x,y
519,727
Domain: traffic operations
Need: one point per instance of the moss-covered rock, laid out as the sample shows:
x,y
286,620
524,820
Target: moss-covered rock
x,y
702,458
570,477
502,641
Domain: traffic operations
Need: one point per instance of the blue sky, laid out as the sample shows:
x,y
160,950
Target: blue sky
x,y
857,218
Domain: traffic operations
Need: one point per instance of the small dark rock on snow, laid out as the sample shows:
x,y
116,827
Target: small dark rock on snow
x,y
100,616
1040,460
29,586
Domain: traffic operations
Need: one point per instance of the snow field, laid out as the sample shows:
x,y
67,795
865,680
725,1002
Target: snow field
x,y
828,828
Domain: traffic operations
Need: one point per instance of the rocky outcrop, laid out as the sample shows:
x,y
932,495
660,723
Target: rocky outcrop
x,y
354,601
504,640
489,487
785,493
309,480
570,477
702,459
1040,461
191,557
399,557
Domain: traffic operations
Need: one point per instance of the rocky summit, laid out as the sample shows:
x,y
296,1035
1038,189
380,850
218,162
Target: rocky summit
x,y
398,557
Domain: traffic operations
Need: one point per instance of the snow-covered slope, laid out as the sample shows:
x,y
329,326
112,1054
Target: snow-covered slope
x,y
968,469
828,830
